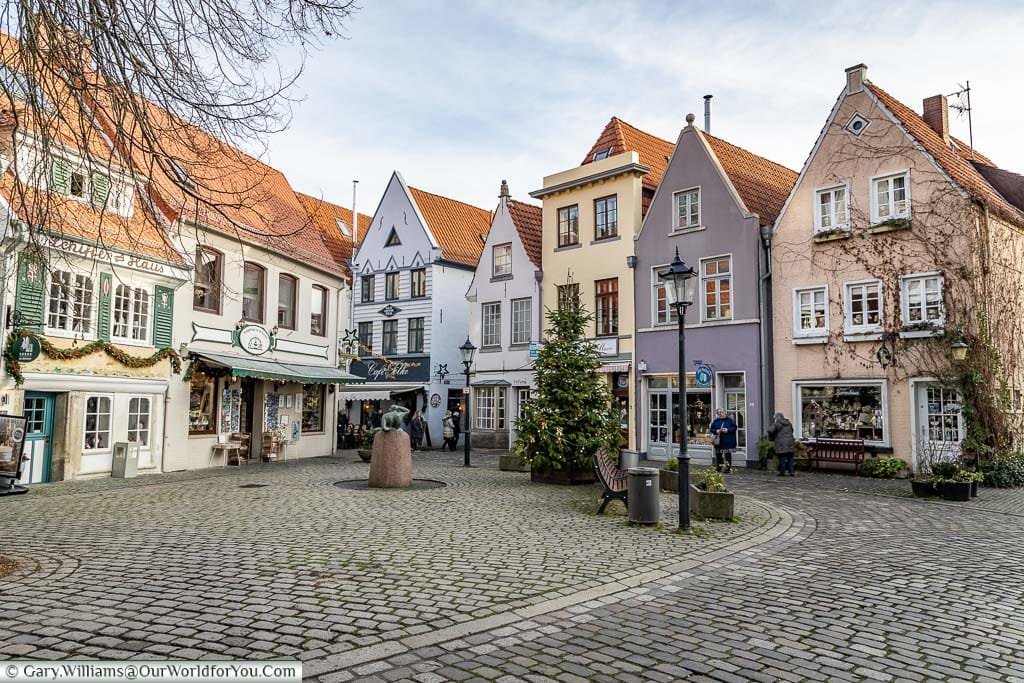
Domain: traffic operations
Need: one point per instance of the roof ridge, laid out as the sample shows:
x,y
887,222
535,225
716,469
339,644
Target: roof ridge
x,y
642,131
451,199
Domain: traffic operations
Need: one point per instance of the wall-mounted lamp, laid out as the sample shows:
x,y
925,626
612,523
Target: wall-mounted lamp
x,y
641,366
959,350
275,330
631,261
240,324
183,350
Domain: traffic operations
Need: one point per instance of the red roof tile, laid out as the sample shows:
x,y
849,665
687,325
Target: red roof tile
x,y
459,228
763,185
619,136
325,216
528,220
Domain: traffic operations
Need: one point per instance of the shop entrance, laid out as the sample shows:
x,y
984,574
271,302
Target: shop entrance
x,y
38,437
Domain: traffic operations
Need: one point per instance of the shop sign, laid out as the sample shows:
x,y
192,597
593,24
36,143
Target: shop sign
x,y
533,349
255,340
390,311
703,376
392,369
435,400
607,346
94,253
28,349
12,443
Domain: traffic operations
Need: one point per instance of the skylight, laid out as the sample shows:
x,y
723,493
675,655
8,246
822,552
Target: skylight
x,y
343,227
602,154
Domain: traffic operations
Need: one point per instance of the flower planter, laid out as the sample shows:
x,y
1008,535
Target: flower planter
x,y
974,489
959,491
923,488
562,477
365,454
711,505
512,463
669,480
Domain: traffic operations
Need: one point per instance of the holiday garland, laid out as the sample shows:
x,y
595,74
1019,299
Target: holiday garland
x,y
57,353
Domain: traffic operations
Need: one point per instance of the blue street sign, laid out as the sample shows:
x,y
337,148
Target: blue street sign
x,y
703,375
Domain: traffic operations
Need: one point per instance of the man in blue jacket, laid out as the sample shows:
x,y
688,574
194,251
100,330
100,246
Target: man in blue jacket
x,y
724,427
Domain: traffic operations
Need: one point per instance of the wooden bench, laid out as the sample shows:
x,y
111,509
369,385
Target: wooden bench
x,y
612,479
847,451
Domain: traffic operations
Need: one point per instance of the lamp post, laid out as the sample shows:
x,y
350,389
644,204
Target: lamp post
x,y
467,350
680,280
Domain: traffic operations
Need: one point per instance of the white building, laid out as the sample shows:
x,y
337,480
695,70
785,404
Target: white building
x,y
505,319
412,270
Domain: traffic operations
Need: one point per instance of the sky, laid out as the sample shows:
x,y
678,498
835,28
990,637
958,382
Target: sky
x,y
458,95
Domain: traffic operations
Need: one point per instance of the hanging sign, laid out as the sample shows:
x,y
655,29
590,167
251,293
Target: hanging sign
x,y
28,348
254,340
703,375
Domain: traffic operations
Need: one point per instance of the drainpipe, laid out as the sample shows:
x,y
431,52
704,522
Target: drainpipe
x,y
765,256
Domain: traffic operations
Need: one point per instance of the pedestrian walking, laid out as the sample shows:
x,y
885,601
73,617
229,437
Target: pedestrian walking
x,y
723,437
416,430
448,431
781,433
457,424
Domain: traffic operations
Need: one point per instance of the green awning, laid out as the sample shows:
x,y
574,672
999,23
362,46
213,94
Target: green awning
x,y
259,368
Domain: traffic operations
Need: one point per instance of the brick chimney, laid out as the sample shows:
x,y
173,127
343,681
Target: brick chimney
x,y
936,115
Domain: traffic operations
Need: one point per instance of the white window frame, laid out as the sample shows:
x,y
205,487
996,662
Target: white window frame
x,y
656,284
815,334
522,398
489,407
506,269
684,195
905,320
136,321
702,294
149,422
89,329
385,325
110,423
876,216
865,328
845,225
798,413
521,340
490,326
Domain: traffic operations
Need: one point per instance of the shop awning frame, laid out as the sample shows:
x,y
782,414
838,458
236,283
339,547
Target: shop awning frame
x,y
260,368
609,368
492,383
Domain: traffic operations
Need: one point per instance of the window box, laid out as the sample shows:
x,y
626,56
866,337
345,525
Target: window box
x,y
832,235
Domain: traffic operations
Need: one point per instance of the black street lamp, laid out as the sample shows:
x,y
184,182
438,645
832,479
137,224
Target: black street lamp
x,y
680,280
467,350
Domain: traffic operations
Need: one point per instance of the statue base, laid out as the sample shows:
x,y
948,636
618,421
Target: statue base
x,y
391,464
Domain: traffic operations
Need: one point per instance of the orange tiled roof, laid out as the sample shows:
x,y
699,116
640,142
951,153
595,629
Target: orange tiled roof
x,y
528,220
763,185
952,161
618,137
325,216
459,228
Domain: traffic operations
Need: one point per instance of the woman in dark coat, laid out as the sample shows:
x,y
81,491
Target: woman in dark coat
x,y
416,430
781,432
724,427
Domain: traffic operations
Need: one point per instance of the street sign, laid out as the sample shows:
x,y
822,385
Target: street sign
x,y
533,349
28,349
703,375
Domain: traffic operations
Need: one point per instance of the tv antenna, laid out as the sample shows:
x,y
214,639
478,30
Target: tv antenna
x,y
963,107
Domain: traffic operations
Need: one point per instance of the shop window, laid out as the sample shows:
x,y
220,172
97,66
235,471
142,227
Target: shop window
x,y
607,307
97,423
138,421
318,311
490,407
491,325
502,257
389,343
716,282
663,411
202,404
522,321
71,302
287,287
569,226
417,282
842,411
734,402
312,408
131,314
606,217
415,336
206,293
365,338
253,283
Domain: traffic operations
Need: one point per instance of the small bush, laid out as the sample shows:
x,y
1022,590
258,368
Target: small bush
x,y
882,468
946,469
672,465
366,442
711,481
1005,471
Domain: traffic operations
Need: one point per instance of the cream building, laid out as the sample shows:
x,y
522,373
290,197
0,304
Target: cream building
x,y
591,216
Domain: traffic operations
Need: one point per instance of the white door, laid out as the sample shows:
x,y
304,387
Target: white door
x,y
940,422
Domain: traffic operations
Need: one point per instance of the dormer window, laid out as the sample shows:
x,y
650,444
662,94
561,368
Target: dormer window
x,y
77,184
602,154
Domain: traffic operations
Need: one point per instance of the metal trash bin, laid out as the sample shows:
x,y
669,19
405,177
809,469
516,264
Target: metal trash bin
x,y
125,461
643,496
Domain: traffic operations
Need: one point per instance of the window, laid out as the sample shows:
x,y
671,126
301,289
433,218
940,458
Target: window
x,y
687,210
365,338
138,421
944,416
97,423
367,289
417,282
889,198
568,295
312,408
78,184
664,314
601,154
831,213
393,240
522,398
253,281
810,312
131,314
70,302
207,280
391,286
734,402
287,287
522,321
864,307
606,221
716,283
389,344
568,226
607,307
921,296
415,336
841,411
318,312
202,404
343,226
491,324
490,407
502,260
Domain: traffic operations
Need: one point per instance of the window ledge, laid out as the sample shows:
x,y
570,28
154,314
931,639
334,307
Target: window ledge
x,y
131,342
490,349
890,225
800,341
519,347
922,333
569,247
862,336
501,278
603,240
686,231
832,235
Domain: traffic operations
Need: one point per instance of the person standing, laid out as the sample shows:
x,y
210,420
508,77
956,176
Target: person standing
x,y
375,418
781,433
448,431
724,427
342,427
416,430
457,424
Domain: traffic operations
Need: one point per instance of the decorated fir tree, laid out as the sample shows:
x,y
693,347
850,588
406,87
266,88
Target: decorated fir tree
x,y
571,416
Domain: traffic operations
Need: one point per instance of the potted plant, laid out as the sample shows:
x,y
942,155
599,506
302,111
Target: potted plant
x,y
669,476
365,449
882,467
952,482
922,483
765,451
710,498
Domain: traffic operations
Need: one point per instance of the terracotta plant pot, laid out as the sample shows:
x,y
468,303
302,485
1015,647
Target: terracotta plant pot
x,y
365,454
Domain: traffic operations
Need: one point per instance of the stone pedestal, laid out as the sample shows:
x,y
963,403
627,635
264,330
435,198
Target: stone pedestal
x,y
391,464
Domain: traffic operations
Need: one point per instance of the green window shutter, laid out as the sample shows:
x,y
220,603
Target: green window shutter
x,y
100,190
29,299
103,318
163,318
60,176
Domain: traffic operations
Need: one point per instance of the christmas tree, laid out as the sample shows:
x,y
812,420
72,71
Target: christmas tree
x,y
571,415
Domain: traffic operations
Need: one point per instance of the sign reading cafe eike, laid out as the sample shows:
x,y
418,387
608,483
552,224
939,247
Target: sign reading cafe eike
x,y
393,369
